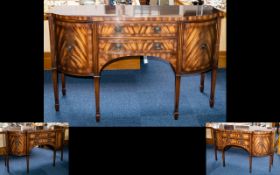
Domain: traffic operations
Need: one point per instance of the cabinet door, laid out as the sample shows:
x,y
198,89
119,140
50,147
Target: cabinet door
x,y
199,46
74,48
17,144
262,143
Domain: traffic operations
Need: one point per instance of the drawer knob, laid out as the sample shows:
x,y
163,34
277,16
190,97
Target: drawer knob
x,y
118,29
203,46
157,29
69,48
157,46
118,46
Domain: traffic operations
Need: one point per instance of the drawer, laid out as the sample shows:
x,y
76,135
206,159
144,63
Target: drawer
x,y
121,46
41,141
41,135
234,135
237,142
137,29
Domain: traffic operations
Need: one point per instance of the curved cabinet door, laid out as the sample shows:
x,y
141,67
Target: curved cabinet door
x,y
262,143
199,40
74,48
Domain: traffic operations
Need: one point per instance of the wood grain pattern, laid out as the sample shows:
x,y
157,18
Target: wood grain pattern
x,y
199,45
256,143
117,48
74,44
17,143
263,143
85,44
137,29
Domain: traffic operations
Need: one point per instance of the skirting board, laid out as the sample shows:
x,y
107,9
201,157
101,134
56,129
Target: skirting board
x,y
133,64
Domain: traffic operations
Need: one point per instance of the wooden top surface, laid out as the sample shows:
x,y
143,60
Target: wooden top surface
x,y
29,129
239,127
134,12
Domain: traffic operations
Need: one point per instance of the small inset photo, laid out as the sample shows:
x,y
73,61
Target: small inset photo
x,y
243,148
34,148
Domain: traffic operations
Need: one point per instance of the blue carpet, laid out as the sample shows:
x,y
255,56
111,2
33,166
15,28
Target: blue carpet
x,y
137,98
40,163
237,162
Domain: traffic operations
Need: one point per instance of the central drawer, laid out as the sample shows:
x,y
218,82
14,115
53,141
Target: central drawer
x,y
41,135
136,29
235,135
41,141
123,46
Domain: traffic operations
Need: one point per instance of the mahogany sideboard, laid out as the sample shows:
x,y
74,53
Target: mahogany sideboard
x,y
21,142
257,141
85,39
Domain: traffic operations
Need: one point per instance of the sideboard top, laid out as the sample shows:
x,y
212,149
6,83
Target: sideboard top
x,y
131,11
241,127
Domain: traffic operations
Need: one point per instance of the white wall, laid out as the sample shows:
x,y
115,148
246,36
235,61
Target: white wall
x,y
46,37
222,41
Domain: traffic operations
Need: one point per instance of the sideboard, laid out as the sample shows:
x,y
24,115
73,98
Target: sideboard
x,y
21,142
257,141
85,39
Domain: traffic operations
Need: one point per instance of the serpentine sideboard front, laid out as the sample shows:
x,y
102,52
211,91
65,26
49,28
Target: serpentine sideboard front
x,y
257,141
85,39
21,142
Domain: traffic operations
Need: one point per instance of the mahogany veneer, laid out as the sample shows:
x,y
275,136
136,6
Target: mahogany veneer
x,y
257,141
85,39
21,142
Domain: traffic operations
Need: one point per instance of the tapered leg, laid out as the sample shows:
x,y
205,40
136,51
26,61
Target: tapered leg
x,y
5,158
213,85
177,95
223,156
202,78
250,163
8,166
54,155
216,158
55,89
61,157
63,84
270,162
97,98
27,163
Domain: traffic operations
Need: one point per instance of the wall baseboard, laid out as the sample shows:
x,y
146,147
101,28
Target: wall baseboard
x,y
222,59
129,64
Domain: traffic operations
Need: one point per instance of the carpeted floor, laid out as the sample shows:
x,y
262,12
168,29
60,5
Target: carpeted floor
x,y
237,162
40,163
137,98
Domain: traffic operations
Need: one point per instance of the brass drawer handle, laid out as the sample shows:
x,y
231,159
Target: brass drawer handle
x,y
157,46
118,29
117,46
157,29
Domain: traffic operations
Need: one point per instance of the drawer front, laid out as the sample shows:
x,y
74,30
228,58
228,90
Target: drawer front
x,y
237,142
137,29
235,135
120,46
42,135
45,141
